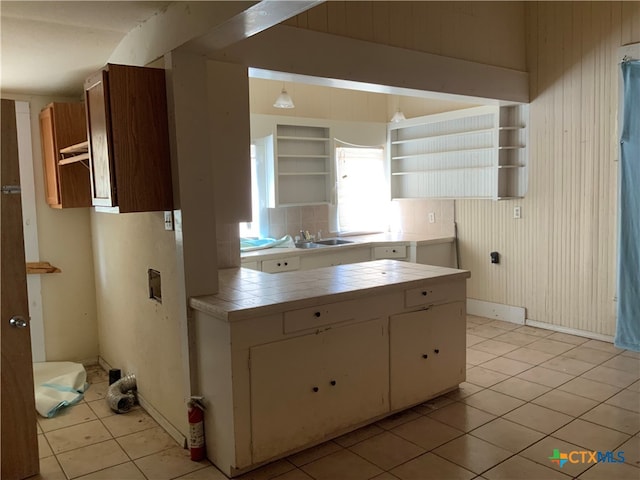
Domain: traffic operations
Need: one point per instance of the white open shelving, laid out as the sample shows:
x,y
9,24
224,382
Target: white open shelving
x,y
472,153
301,165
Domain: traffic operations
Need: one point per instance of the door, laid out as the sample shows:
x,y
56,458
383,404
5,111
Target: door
x,y
427,352
18,414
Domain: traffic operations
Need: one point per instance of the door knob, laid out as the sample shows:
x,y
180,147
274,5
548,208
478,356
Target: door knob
x,y
18,322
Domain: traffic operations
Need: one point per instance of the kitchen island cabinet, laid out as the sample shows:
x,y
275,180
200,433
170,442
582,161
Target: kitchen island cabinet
x,y
287,361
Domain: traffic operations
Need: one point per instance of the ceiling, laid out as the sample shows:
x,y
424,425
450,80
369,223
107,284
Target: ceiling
x,y
49,48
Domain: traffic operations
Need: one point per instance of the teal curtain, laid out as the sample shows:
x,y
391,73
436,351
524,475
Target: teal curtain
x,y
628,324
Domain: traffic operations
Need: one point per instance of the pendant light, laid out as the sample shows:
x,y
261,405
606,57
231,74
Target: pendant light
x,y
284,100
398,117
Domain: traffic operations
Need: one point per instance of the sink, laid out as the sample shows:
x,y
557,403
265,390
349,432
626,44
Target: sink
x,y
308,245
333,241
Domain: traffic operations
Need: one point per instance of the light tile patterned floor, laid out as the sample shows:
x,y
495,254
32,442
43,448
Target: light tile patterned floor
x,y
528,391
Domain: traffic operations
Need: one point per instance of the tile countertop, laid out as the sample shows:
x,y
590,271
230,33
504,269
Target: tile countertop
x,y
371,240
248,293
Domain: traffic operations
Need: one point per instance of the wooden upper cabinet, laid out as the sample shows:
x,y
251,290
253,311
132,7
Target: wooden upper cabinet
x,y
63,125
129,139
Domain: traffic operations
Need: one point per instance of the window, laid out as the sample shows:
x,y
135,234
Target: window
x,y
363,199
252,228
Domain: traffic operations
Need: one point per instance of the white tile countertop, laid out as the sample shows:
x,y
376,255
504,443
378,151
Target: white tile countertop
x,y
247,293
371,240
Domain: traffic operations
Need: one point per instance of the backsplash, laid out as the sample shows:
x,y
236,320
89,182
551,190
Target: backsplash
x,y
412,216
290,220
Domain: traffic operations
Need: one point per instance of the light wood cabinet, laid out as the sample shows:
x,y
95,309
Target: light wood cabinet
x,y
67,185
307,387
427,353
129,139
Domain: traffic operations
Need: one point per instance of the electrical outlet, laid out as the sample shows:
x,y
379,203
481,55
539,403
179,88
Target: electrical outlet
x,y
432,217
168,220
517,212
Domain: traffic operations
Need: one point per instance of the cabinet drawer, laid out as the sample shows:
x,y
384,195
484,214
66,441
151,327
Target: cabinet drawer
x,y
389,252
430,294
281,265
328,314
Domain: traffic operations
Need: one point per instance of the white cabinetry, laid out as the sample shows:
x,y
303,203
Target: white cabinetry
x,y
301,166
472,153
427,353
399,252
335,257
283,377
304,388
287,264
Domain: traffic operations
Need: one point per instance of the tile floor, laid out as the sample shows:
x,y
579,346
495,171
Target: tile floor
x,y
528,391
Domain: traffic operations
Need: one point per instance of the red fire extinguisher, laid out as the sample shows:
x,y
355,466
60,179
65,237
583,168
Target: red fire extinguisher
x,y
196,428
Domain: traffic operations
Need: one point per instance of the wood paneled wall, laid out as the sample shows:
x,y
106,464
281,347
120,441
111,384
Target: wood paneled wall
x,y
484,32
558,260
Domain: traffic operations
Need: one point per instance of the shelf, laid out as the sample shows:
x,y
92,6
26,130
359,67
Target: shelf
x,y
436,170
77,158
490,165
443,135
306,139
418,155
302,174
82,147
289,155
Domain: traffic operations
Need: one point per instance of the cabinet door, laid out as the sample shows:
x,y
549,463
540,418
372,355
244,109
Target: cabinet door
x,y
98,123
427,353
304,388
49,156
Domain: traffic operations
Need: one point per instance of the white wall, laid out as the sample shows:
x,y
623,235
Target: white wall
x,y
558,261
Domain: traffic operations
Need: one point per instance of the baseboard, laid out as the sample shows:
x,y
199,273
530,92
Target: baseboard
x,y
162,421
154,413
570,331
497,311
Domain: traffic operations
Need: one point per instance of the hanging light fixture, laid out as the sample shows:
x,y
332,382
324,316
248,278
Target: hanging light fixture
x,y
284,100
398,117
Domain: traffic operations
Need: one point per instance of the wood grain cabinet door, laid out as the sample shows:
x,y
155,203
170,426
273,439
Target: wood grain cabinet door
x,y
305,388
49,156
99,129
427,353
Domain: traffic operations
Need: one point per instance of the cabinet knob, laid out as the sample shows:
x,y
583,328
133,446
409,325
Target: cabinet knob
x,y
424,292
437,350
279,264
317,314
393,251
315,389
333,383
285,264
424,355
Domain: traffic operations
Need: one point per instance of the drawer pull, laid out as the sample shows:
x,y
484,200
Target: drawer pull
x,y
333,383
317,314
315,389
394,251
279,264
437,350
424,292
424,355
285,264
